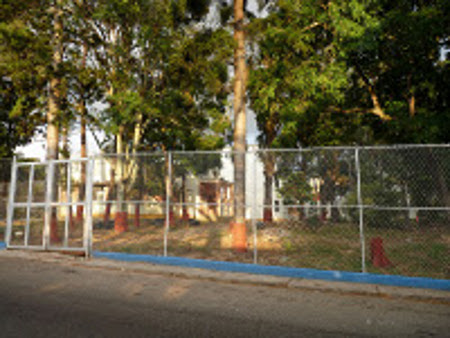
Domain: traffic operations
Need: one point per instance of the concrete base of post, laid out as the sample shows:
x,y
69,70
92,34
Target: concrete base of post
x,y
239,235
107,213
54,237
268,216
185,215
171,218
121,222
80,211
378,254
137,216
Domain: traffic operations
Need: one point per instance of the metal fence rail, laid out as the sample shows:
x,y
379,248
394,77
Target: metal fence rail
x,y
41,205
370,209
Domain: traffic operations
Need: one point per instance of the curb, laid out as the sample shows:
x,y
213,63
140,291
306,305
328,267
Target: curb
x,y
362,289
281,271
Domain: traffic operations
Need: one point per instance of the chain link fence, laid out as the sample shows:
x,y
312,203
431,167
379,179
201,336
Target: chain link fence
x,y
363,209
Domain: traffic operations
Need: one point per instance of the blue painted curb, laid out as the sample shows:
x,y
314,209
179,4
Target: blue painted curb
x,y
2,245
335,276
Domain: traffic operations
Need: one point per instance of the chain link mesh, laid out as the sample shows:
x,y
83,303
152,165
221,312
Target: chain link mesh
x,y
375,209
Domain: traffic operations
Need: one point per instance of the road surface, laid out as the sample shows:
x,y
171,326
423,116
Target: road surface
x,y
57,299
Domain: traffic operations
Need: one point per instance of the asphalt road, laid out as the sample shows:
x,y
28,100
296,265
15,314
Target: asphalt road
x,y
57,299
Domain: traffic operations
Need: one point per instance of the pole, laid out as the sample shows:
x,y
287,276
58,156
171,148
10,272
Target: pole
x,y
361,211
12,192
255,228
168,190
48,203
87,231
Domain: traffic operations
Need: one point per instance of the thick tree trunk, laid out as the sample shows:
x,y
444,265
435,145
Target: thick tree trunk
x,y
121,219
54,109
66,155
136,172
169,190
185,214
83,149
239,228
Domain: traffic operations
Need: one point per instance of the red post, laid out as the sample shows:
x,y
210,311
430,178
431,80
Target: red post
x,y
137,215
80,210
107,213
54,237
377,253
267,215
185,216
121,222
239,235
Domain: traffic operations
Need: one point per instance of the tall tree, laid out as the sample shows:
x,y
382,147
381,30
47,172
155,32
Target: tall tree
x,y
239,134
24,59
54,101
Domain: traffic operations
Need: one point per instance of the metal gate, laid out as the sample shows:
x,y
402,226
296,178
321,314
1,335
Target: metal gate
x,y
50,206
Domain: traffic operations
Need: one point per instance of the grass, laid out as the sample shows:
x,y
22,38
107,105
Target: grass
x,y
328,246
414,252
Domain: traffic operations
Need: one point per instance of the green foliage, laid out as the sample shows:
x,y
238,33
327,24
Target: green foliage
x,y
317,67
295,189
24,56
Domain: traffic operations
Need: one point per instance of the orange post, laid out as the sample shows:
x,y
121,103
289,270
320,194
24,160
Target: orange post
x,y
239,235
377,253
267,216
80,210
121,222
54,237
137,215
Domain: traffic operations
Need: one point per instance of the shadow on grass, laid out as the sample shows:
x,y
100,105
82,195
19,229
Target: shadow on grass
x,y
328,247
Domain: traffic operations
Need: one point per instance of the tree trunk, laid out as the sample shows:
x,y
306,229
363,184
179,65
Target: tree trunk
x,y
239,228
169,190
54,109
121,219
136,172
66,155
83,150
185,214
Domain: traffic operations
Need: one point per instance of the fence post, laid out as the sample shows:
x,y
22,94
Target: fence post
x,y
12,192
361,211
48,203
87,231
29,201
69,201
254,206
168,188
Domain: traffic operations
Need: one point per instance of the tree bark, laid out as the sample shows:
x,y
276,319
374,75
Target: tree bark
x,y
239,228
54,108
136,172
83,148
169,188
121,219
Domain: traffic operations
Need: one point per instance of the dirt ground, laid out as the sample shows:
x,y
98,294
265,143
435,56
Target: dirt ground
x,y
414,252
327,247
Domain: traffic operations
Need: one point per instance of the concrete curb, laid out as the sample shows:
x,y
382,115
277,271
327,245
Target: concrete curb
x,y
282,271
439,296
275,281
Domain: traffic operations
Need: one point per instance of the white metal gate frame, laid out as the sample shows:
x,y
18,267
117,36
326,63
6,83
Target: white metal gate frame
x,y
48,204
